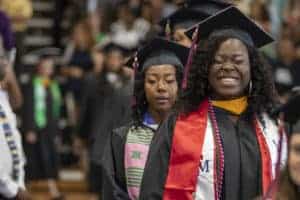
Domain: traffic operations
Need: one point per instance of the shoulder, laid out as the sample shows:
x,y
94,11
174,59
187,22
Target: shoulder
x,y
123,130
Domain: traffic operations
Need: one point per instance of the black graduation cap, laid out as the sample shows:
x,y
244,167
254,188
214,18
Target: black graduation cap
x,y
157,52
231,21
183,18
208,7
112,46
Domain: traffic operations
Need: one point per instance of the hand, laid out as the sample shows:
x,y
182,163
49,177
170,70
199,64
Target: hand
x,y
31,137
23,195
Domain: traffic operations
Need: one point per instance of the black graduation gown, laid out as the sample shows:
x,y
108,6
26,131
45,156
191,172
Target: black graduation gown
x,y
241,145
103,108
42,157
114,180
115,187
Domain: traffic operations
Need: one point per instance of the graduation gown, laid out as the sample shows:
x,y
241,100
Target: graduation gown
x,y
115,182
103,108
242,176
114,179
42,156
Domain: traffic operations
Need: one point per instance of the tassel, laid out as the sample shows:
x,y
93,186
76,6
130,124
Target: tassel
x,y
135,66
190,58
135,63
168,30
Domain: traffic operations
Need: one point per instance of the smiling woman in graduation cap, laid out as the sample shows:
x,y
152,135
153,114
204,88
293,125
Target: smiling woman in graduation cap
x,y
222,143
158,73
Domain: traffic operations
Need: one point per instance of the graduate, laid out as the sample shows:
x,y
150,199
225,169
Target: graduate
x,y
12,158
222,141
288,187
105,105
40,115
158,67
190,13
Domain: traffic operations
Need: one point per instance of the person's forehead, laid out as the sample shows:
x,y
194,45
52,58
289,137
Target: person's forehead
x,y
161,69
232,45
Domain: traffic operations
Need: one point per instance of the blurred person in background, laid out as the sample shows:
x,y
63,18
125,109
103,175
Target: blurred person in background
x,y
105,105
41,111
10,88
128,30
12,160
161,8
286,187
259,11
286,68
19,12
6,32
77,59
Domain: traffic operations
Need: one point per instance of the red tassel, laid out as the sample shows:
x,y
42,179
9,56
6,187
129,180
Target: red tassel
x,y
168,30
135,63
135,66
190,58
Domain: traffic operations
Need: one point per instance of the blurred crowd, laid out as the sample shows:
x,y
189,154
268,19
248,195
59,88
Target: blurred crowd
x,y
89,84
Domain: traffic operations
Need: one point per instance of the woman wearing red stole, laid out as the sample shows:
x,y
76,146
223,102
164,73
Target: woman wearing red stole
x,y
222,143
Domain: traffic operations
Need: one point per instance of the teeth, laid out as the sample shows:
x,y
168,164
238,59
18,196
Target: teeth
x,y
228,79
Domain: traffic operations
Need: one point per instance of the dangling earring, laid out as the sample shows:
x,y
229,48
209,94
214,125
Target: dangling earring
x,y
250,88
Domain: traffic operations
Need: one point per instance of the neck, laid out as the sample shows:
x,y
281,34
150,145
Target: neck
x,y
157,116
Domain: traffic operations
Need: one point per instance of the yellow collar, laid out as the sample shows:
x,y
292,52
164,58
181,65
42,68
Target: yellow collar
x,y
235,106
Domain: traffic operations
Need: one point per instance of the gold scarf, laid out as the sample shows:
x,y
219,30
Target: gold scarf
x,y
235,106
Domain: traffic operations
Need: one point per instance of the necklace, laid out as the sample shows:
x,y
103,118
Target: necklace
x,y
219,144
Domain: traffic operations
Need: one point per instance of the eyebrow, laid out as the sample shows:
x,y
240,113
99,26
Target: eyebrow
x,y
157,74
233,55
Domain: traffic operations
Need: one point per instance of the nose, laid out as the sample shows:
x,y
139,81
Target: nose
x,y
161,86
227,67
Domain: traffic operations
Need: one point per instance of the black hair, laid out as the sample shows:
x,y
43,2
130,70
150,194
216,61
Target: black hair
x,y
141,105
263,97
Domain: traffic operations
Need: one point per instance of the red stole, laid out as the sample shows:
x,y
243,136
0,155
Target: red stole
x,y
186,153
188,139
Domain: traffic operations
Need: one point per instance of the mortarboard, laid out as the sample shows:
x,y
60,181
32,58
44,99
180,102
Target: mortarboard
x,y
229,22
232,22
183,18
208,7
113,46
157,52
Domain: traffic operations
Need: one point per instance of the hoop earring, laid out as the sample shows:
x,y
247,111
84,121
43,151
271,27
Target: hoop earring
x,y
250,88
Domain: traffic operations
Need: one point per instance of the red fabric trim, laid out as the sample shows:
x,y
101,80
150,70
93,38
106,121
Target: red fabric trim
x,y
265,158
188,139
